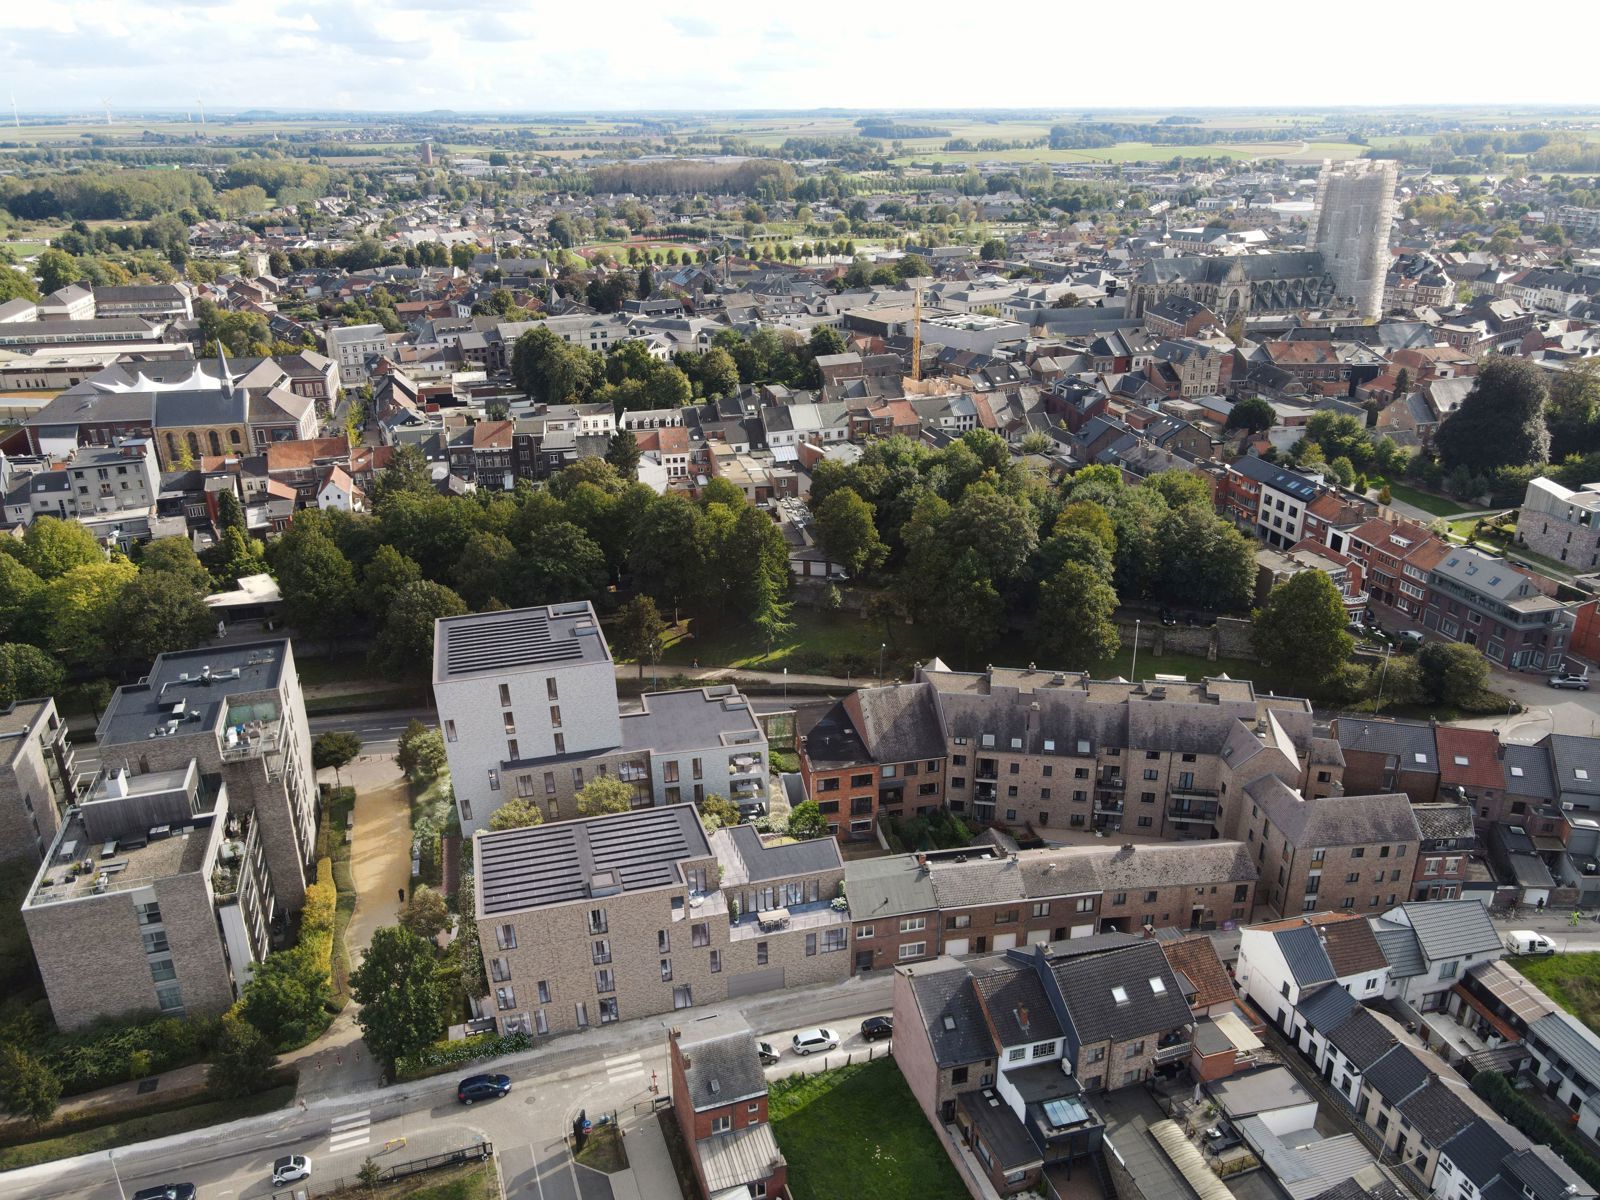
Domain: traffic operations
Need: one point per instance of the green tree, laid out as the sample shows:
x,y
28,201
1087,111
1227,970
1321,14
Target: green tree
x,y
604,794
14,285
52,547
240,1059
29,1089
156,612
337,748
420,753
519,812
405,646
230,514
77,608
425,913
235,556
623,453
27,672
20,590
1573,410
992,250
404,999
1501,423
1076,610
384,575
718,373
806,821
286,998
1254,415
407,474
848,532
318,583
638,630
176,556
1204,560
1300,632
1452,673
56,270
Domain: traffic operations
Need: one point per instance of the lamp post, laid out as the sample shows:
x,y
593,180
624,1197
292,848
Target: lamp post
x,y
111,1158
786,685
1383,676
1133,668
882,646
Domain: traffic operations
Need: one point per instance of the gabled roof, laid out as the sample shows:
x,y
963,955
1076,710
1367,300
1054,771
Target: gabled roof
x,y
1018,1009
1437,1111
1398,1074
1412,742
1326,1008
948,1003
1361,1038
1470,757
721,1063
1479,1150
1195,958
1351,947
1120,994
1528,771
1302,951
1400,947
1451,928
1440,822
1572,1040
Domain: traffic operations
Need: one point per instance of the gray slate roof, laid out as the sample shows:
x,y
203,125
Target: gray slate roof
x,y
724,1067
1452,928
796,858
1398,1074
1400,946
881,888
978,881
1327,1008
1403,739
1572,1040
1007,995
1086,985
901,723
953,1017
1577,763
1438,1112
1479,1150
1302,950
1528,771
1362,1038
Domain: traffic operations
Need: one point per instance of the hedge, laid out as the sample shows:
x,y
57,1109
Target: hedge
x,y
317,920
1506,1101
441,1056
117,1051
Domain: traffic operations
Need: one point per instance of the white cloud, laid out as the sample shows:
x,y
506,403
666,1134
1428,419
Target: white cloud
x,y
509,55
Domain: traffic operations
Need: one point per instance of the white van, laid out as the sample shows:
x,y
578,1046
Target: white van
x,y
1526,941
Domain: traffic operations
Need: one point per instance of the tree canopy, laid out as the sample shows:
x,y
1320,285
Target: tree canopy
x,y
1300,631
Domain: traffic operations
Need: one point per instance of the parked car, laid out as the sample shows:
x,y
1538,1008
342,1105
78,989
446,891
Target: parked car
x,y
1168,617
809,1041
766,1053
875,1029
1526,941
166,1191
1566,679
1409,637
291,1168
482,1087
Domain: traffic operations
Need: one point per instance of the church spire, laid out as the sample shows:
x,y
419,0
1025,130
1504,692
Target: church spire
x,y
223,373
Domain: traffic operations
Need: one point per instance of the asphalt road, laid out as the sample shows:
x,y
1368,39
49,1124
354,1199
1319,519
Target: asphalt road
x,y
604,1071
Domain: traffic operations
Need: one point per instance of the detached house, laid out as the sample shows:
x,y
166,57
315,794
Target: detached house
x,y
719,1097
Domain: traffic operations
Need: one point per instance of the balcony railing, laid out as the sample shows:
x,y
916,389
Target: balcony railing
x,y
1108,804
1175,1050
1197,793
1115,782
1193,812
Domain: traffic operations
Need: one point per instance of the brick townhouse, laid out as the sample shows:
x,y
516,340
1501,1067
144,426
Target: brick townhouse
x,y
719,1098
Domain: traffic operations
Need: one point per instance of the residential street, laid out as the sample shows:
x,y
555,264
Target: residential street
x,y
605,1070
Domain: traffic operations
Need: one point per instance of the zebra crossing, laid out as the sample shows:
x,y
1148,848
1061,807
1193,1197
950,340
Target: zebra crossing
x,y
351,1131
625,1068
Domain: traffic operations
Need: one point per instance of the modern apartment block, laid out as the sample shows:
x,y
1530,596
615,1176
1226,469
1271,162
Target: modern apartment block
x,y
527,701
602,919
1561,523
36,777
154,897
237,712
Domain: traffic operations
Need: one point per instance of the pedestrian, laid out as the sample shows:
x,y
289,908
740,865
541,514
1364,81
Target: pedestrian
x,y
1540,905
402,895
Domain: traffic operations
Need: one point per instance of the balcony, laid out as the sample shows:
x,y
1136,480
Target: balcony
x,y
1109,804
1111,782
1193,812
1173,1046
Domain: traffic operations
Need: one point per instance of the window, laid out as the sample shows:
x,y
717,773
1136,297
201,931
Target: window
x,y
550,689
833,939
597,921
761,954
509,719
1152,773
148,914
500,969
541,1022
581,1011
1041,909
1359,852
912,950
561,743
604,980
1044,1050
663,941
512,752
601,951
960,921
449,731
716,961
700,934
721,1124
1447,970
608,1010
1085,904
170,997
549,783
505,998
1134,1049
1098,1054
544,991
913,924
555,716
494,780
505,695
161,970
811,944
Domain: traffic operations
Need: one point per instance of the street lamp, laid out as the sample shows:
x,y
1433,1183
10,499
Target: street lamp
x,y
111,1158
882,646
786,685
1133,668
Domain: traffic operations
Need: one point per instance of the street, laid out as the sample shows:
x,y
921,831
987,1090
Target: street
x,y
606,1070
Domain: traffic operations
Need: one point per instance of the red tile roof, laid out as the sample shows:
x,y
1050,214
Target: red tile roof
x,y
1197,958
1481,750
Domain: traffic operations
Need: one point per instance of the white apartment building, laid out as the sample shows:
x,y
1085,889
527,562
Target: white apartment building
x,y
351,346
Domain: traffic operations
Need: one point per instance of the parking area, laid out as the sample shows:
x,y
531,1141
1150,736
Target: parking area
x,y
853,1047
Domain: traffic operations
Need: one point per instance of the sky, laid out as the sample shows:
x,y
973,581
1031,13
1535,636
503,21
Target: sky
x,y
534,55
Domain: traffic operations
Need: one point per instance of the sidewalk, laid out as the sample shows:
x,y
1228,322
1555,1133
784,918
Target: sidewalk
x,y
177,1084
649,1172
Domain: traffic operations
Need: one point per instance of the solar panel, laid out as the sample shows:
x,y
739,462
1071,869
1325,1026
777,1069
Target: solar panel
x,y
523,640
1062,1113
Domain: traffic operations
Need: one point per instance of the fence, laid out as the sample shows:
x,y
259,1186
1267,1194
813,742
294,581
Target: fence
x,y
479,1152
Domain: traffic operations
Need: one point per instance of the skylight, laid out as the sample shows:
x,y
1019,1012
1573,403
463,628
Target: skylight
x,y
1049,745
1420,756
1580,772
1461,760
949,1021
1119,994
1083,747
1516,772
1158,987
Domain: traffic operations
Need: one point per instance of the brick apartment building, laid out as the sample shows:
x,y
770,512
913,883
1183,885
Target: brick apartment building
x,y
36,777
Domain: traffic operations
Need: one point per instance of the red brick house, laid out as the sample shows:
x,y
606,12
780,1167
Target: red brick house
x,y
719,1097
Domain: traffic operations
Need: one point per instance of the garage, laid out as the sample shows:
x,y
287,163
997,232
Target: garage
x,y
750,982
1005,941
956,946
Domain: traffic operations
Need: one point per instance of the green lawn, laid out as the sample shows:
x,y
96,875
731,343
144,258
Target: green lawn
x,y
470,1181
139,1129
1439,506
604,1150
821,643
857,1131
1571,980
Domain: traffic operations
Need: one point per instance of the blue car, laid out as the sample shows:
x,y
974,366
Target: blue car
x,y
482,1087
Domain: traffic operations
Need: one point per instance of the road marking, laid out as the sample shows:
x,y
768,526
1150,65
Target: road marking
x,y
350,1131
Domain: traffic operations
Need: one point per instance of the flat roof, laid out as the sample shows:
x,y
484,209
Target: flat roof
x,y
691,719
545,638
200,681
79,867
521,869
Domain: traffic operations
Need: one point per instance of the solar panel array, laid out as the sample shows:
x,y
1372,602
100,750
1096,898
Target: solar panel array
x,y
531,867
522,640
552,864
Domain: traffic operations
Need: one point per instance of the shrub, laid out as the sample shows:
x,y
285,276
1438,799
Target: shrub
x,y
110,1051
441,1056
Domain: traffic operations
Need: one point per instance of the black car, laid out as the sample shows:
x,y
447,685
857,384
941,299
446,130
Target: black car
x,y
1168,617
482,1087
167,1191
877,1028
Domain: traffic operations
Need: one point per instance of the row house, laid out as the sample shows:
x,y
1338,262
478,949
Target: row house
x,y
1282,964
1268,501
878,752
482,454
304,464
1396,560
719,1099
